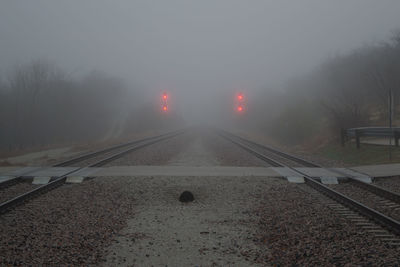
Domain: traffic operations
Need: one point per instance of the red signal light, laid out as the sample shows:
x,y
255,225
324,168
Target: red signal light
x,y
240,102
164,102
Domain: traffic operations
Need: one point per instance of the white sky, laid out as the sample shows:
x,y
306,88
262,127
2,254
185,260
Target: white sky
x,y
192,46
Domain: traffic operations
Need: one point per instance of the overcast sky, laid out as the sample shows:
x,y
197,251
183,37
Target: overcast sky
x,y
192,46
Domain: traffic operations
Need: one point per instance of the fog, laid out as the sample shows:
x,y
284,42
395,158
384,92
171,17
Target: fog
x,y
201,52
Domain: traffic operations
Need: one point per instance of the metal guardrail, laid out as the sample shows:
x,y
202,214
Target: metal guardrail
x,y
357,133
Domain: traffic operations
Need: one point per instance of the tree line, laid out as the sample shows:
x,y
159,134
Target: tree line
x,y
349,90
42,105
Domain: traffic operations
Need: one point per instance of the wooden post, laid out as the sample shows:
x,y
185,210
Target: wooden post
x,y
343,136
396,137
358,138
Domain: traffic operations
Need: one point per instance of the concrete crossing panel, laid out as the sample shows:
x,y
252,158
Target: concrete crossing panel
x,y
382,170
86,172
74,179
7,170
21,171
316,172
354,174
41,180
187,171
53,171
296,180
329,180
4,178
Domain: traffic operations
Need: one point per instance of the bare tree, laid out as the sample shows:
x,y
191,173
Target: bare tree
x,y
26,83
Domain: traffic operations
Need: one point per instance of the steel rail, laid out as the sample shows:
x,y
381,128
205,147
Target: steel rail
x,y
8,205
377,190
382,192
9,182
374,215
69,162
296,159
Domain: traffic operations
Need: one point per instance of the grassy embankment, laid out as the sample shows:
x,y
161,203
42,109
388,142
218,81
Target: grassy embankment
x,y
367,154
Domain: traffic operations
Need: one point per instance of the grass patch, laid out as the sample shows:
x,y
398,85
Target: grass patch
x,y
367,154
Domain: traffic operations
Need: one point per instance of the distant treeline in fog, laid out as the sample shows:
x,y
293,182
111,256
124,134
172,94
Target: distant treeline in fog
x,y
41,105
350,90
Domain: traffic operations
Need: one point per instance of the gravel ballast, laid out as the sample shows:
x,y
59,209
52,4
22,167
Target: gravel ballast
x,y
390,183
298,229
16,190
66,226
228,154
367,198
156,154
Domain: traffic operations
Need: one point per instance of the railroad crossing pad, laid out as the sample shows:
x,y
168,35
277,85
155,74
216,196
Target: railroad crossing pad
x,y
329,180
326,176
353,174
76,174
4,178
8,169
86,172
43,176
80,175
291,176
18,171
296,180
316,172
74,179
382,170
226,171
53,171
41,180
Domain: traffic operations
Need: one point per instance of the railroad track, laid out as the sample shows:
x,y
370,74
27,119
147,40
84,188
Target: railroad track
x,y
92,159
90,156
371,220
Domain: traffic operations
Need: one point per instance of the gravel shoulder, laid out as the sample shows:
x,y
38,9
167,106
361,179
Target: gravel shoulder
x,y
217,229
